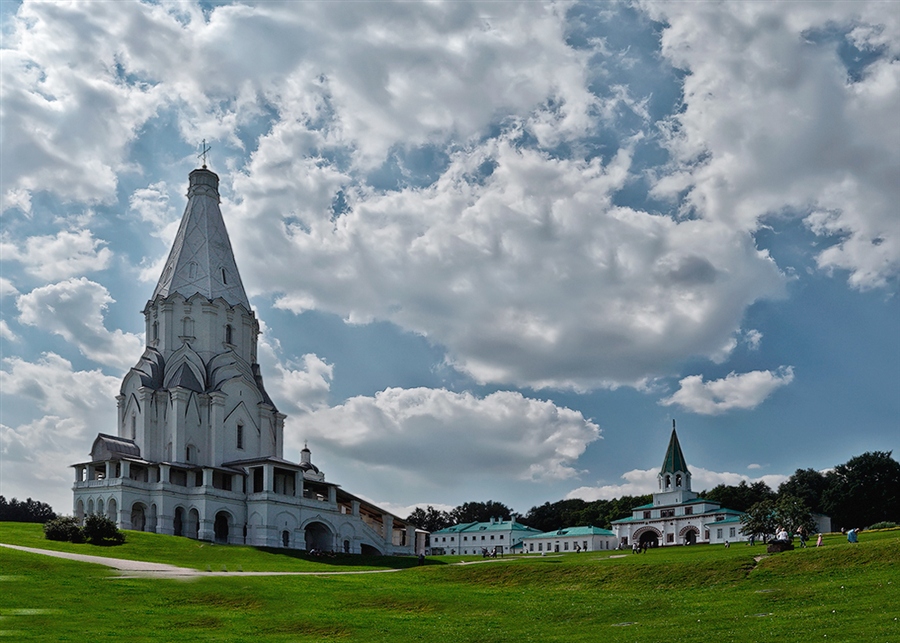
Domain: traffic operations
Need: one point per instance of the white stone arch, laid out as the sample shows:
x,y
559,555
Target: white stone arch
x,y
193,524
647,534
152,518
256,534
684,534
139,516
223,526
318,534
79,511
100,507
179,521
112,510
347,537
90,506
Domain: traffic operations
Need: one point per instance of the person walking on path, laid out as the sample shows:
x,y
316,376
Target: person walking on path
x,y
819,541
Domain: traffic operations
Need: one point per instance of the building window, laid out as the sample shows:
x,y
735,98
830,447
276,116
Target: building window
x,y
465,537
228,334
566,545
492,536
501,536
540,546
646,515
154,331
688,511
719,534
666,513
133,427
240,436
224,277
670,538
678,480
530,546
731,532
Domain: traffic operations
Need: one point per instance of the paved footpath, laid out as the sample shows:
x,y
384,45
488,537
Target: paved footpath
x,y
143,569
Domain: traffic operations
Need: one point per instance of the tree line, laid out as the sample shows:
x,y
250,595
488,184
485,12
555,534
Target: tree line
x,y
25,511
863,491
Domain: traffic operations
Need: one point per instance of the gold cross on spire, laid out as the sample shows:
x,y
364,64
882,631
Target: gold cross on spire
x,y
204,149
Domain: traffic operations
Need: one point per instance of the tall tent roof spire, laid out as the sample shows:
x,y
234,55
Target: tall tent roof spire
x,y
674,460
201,259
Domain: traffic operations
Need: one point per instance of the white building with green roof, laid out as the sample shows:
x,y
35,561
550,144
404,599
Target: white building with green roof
x,y
500,536
677,516
570,539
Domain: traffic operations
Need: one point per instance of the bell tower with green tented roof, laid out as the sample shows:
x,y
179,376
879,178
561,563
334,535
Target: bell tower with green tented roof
x,y
674,477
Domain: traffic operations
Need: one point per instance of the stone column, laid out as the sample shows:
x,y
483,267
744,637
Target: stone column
x,y
388,522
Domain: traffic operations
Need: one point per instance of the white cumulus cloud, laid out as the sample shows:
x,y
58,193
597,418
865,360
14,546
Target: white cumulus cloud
x,y
438,436
74,309
734,391
66,254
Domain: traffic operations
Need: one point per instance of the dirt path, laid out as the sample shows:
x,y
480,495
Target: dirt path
x,y
143,569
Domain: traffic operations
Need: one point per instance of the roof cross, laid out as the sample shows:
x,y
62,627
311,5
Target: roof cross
x,y
204,149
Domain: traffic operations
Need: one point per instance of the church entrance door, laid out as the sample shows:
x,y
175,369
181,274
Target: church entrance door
x,y
221,527
318,537
138,518
649,539
178,523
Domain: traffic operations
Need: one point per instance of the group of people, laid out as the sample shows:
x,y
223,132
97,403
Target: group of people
x,y
640,548
490,553
781,534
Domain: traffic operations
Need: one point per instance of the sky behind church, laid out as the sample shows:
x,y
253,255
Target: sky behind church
x,y
495,247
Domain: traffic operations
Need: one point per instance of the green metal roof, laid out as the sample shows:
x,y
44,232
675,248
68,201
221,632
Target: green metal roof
x,y
674,460
476,527
574,531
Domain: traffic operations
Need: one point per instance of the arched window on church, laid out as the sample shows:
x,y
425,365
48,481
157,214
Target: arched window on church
x,y
188,327
668,481
224,277
240,436
229,334
133,427
154,331
678,481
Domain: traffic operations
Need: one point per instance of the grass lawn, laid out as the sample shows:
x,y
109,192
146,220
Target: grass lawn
x,y
840,592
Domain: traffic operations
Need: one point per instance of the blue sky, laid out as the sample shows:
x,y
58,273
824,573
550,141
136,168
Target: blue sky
x,y
495,247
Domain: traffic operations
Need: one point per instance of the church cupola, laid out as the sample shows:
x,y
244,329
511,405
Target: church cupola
x,y
674,477
201,260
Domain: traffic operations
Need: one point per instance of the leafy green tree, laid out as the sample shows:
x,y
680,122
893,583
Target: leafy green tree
x,y
480,512
863,491
429,519
741,496
807,484
765,517
760,519
25,511
793,514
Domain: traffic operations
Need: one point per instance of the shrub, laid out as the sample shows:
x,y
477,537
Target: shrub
x,y
63,528
885,524
101,530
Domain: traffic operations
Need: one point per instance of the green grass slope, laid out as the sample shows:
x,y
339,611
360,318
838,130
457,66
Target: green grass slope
x,y
840,592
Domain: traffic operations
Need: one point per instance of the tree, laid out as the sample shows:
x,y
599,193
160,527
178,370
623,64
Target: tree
x,y
793,514
807,484
480,512
429,519
863,491
759,519
766,516
739,497
25,511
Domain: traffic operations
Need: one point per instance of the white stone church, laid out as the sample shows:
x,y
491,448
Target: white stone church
x,y
198,450
677,516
